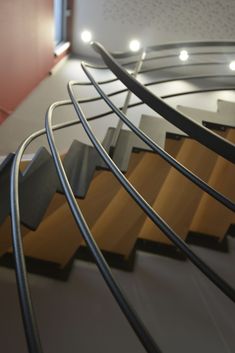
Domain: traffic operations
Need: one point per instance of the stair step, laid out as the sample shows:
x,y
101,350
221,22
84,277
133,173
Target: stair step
x,y
72,163
123,150
226,108
200,115
56,239
156,128
39,183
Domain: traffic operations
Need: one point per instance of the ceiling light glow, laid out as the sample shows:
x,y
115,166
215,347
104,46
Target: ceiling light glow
x,y
134,45
232,65
183,55
86,36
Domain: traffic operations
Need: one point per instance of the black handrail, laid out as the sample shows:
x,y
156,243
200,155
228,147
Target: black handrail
x,y
171,66
163,226
160,57
132,317
172,95
190,127
156,82
115,79
175,45
166,156
29,321
183,65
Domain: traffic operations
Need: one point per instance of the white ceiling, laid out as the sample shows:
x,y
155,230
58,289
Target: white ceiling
x,y
115,22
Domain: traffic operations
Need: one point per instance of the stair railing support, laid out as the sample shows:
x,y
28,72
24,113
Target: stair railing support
x,y
127,100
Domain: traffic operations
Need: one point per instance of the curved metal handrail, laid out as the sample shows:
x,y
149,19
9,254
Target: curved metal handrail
x,y
28,316
175,45
183,65
160,57
190,127
156,82
171,66
115,79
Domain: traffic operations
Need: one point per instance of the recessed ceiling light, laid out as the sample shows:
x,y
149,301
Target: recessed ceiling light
x,y
134,45
86,36
183,55
232,65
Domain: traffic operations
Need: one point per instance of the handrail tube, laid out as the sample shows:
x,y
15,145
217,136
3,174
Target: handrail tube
x,y
163,226
28,316
156,82
166,156
190,127
183,65
133,105
175,45
132,317
104,82
160,57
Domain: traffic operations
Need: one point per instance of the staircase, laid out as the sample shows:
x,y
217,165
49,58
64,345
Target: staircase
x,y
50,236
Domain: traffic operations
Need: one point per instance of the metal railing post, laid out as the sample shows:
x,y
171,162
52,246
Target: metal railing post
x,y
127,100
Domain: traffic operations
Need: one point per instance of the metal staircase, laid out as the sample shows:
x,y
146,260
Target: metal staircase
x,y
123,219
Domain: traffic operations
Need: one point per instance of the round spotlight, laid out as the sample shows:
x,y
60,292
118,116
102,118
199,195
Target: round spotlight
x,y
232,65
183,55
134,45
86,36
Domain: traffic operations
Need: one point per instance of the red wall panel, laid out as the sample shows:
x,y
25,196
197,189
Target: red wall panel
x,y
26,55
